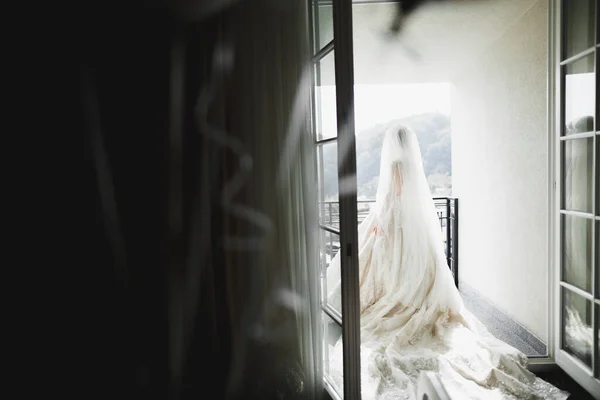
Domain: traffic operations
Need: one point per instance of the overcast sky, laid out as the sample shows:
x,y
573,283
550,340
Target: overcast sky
x,y
382,103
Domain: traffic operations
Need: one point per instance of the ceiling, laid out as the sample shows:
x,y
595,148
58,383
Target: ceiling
x,y
437,41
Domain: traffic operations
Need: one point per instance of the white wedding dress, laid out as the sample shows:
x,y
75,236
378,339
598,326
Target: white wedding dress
x,y
412,316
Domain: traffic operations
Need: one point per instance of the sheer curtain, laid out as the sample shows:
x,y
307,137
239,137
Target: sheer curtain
x,y
207,284
254,213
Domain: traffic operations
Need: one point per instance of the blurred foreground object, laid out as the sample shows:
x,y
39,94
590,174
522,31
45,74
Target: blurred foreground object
x,y
406,7
187,117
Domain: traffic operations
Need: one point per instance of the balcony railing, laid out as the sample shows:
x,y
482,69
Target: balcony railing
x,y
447,212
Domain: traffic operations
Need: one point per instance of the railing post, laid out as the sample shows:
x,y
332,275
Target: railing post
x,y
455,242
448,233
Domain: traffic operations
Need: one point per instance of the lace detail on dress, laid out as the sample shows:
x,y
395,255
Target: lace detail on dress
x,y
469,368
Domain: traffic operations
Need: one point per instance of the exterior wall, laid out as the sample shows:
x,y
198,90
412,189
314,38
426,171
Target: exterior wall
x,y
500,171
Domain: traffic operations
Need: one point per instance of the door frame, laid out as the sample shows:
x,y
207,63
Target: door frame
x,y
573,367
342,46
344,83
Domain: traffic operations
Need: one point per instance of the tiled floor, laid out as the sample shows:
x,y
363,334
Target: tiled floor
x,y
502,326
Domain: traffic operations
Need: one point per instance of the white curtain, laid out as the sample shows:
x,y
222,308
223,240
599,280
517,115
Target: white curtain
x,y
269,231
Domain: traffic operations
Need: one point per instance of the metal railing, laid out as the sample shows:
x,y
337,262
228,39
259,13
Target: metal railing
x,y
447,211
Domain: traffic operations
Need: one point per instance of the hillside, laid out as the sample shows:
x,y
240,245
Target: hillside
x,y
433,132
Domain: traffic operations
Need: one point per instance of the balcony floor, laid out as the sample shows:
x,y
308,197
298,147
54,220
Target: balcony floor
x,y
501,325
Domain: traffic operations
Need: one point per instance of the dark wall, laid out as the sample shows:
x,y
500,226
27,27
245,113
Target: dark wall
x,y
155,326
126,58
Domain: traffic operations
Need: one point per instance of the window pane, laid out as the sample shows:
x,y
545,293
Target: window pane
x,y
577,174
597,372
598,174
323,25
579,16
598,258
325,107
329,212
579,96
331,272
332,352
328,184
577,252
577,326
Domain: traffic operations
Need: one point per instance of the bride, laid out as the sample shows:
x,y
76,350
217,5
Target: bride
x,y
412,316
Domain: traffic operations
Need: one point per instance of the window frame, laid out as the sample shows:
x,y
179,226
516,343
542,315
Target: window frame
x,y
587,377
345,139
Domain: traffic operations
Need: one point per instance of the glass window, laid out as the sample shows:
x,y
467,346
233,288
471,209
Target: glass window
x,y
330,273
579,96
577,326
578,174
323,25
579,26
332,353
325,100
577,252
328,184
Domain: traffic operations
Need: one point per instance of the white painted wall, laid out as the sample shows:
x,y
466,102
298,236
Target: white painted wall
x,y
438,41
500,170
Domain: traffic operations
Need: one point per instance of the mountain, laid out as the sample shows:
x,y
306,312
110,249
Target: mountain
x,y
433,133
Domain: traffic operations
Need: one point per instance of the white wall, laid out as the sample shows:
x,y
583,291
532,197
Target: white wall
x,y
500,170
437,41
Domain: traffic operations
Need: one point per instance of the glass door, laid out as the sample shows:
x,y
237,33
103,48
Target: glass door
x,y
577,294
332,122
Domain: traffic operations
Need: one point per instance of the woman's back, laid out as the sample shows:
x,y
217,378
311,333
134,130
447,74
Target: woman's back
x,y
405,283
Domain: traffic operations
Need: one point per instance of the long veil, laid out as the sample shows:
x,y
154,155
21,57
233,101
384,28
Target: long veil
x,y
401,237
